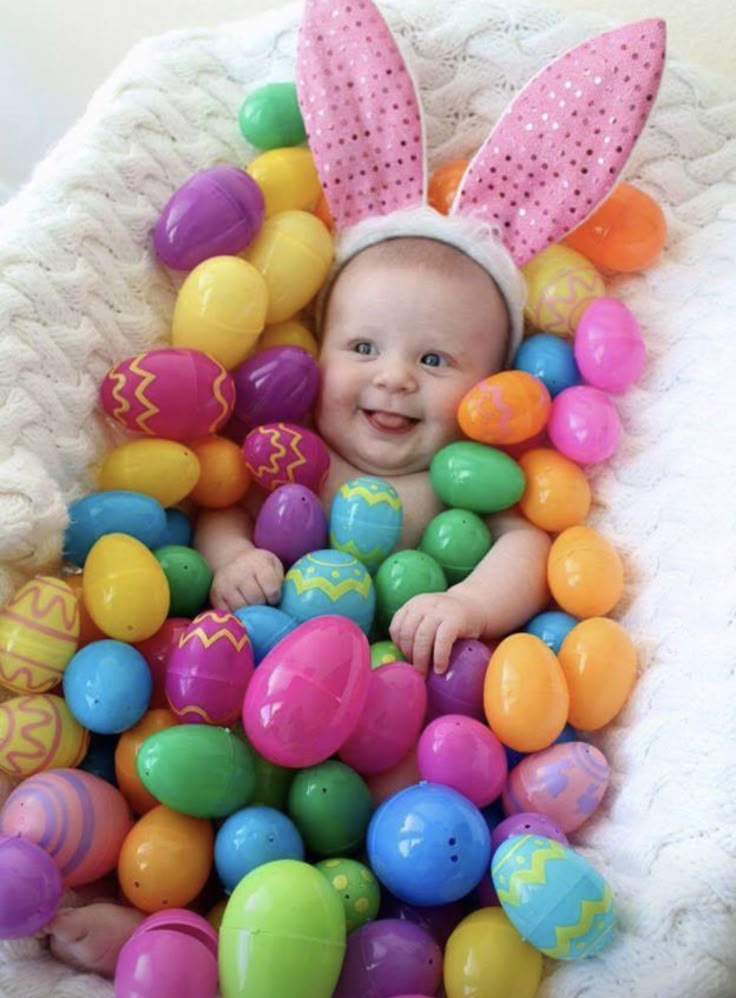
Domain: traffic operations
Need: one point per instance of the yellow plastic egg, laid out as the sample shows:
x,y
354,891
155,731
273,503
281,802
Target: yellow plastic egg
x,y
291,333
560,285
584,571
164,469
38,732
293,251
39,632
287,178
221,309
598,659
125,588
485,957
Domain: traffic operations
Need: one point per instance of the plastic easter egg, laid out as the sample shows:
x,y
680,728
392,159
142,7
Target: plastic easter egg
x,y
289,333
276,384
504,408
459,690
428,845
550,893
469,475
564,782
173,952
560,285
403,575
550,359
584,425
165,859
526,823
286,454
107,686
293,252
217,211
404,774
625,233
525,697
365,519
438,920
457,540
126,753
291,523
552,626
329,582
39,732
383,652
391,719
39,629
323,213
208,672
557,494
444,183
88,629
100,757
189,578
220,309
156,651
306,696
115,512
79,819
125,588
272,781
356,887
387,956
223,477
599,661
270,117
485,957
585,572
287,178
331,805
174,393
290,922
609,347
460,752
266,626
178,528
252,837
163,469
30,888
199,770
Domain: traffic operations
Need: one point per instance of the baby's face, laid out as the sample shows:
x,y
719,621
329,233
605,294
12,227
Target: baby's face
x,y
402,343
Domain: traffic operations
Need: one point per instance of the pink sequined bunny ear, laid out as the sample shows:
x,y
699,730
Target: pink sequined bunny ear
x,y
559,147
361,111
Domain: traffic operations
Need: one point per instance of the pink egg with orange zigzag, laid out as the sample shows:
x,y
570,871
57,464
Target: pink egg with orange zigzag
x,y
38,732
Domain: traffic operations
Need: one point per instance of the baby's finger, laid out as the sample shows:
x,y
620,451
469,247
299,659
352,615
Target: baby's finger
x,y
444,640
269,585
402,630
424,643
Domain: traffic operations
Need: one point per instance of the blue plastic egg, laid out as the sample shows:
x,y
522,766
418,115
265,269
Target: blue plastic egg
x,y
100,758
329,582
107,686
178,529
551,359
365,520
266,626
252,837
552,626
113,512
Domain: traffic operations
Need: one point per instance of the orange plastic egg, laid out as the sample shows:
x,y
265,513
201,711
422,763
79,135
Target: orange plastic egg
x,y
443,184
557,493
223,476
598,659
126,752
626,233
505,408
585,573
560,285
525,698
290,333
165,860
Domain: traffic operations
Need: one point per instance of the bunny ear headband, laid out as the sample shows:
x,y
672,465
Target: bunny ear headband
x,y
552,157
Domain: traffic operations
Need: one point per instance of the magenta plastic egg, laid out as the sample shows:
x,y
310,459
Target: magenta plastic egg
x,y
30,887
208,672
460,689
609,348
390,721
286,454
462,753
176,393
307,694
584,424
291,523
565,782
280,383
217,211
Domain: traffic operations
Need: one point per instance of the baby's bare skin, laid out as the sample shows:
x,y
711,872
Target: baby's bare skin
x,y
91,938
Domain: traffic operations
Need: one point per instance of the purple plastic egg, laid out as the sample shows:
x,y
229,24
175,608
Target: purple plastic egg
x,y
526,823
388,957
609,347
291,523
460,689
30,887
462,753
286,454
216,212
486,894
438,920
276,384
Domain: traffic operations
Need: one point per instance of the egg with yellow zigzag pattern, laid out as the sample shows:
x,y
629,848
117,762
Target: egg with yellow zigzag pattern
x,y
329,582
365,519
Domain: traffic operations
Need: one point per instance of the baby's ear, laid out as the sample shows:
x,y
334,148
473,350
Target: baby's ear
x,y
361,111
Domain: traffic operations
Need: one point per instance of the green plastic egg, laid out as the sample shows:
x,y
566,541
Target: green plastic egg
x,y
403,575
331,806
356,887
282,934
457,540
270,117
383,652
199,770
189,577
473,476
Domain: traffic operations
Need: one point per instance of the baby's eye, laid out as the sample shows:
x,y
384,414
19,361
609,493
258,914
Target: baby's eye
x,y
433,359
365,348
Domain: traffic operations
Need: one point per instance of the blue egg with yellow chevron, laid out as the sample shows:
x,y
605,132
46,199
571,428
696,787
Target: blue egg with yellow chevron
x,y
329,582
365,519
553,896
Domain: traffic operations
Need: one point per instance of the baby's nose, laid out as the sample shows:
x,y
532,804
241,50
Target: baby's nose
x,y
396,375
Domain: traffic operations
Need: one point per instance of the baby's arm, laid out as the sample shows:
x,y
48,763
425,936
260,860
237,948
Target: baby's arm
x,y
504,590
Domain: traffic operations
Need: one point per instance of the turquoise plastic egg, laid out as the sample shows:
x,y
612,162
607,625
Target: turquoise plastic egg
x,y
457,540
553,897
474,476
112,512
329,582
270,117
365,520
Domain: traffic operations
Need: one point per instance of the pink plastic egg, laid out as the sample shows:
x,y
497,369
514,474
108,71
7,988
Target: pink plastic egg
x,y
584,424
308,692
276,384
291,523
609,348
175,393
284,453
464,754
565,782
208,672
156,651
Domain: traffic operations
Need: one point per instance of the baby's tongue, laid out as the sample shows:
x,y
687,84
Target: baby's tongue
x,y
390,420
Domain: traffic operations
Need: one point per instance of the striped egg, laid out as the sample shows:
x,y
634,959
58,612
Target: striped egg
x,y
284,454
38,732
39,631
365,519
505,408
79,819
553,897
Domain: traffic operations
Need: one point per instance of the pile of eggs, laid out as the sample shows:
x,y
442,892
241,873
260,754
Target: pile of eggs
x,y
348,826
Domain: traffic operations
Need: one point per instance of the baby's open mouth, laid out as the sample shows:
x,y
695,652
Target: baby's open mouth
x,y
389,422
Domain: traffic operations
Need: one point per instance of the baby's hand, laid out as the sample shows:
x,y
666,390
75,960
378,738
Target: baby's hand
x,y
254,576
91,938
427,626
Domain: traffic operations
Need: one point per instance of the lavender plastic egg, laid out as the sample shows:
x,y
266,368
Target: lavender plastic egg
x,y
526,823
291,523
388,957
276,384
30,887
460,689
218,211
438,919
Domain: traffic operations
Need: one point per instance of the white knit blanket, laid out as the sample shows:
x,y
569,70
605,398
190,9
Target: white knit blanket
x,y
79,290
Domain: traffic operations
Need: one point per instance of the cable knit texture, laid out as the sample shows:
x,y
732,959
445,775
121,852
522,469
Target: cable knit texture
x,y
79,291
